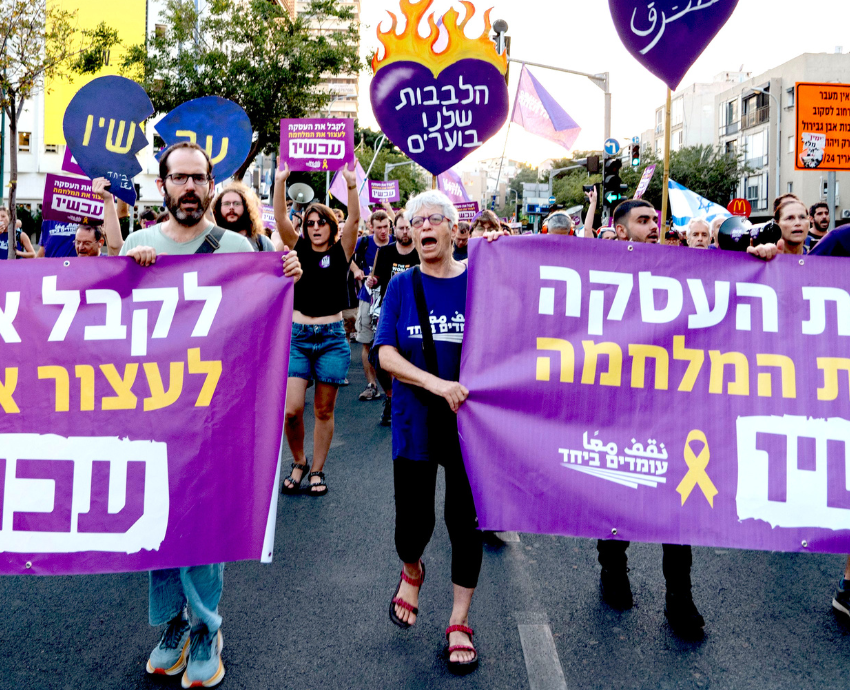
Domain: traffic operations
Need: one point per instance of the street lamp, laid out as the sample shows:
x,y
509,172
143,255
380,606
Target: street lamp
x,y
778,134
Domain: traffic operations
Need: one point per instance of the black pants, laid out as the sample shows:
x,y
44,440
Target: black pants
x,y
676,563
415,490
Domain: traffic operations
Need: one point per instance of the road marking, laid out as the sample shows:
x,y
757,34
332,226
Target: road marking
x,y
508,536
541,658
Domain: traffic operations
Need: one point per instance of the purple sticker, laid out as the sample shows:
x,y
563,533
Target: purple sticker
x,y
379,192
316,144
467,211
667,36
70,200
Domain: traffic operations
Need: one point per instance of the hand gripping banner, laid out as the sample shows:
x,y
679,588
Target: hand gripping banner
x,y
140,411
658,394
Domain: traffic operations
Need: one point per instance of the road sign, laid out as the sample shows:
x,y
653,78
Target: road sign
x,y
552,200
612,147
740,207
635,140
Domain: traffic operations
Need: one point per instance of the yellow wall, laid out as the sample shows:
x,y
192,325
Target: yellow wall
x,y
127,16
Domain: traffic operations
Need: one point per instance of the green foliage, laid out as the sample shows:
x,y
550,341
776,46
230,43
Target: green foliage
x,y
525,173
410,179
251,52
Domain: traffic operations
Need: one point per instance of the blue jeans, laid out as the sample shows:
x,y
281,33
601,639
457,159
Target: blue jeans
x,y
199,586
320,352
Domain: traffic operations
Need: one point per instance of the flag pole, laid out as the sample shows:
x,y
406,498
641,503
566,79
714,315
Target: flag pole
x,y
508,133
665,181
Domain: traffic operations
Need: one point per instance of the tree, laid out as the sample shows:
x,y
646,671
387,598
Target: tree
x,y
251,52
39,42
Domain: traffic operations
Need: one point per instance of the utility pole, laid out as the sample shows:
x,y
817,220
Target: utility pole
x,y
666,179
830,197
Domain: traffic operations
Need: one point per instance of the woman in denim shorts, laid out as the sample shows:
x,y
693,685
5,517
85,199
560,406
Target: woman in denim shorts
x,y
319,350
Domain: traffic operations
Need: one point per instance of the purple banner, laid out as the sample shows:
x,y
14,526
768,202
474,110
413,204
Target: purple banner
x,y
70,200
124,439
316,144
379,192
69,164
467,211
268,218
645,179
655,394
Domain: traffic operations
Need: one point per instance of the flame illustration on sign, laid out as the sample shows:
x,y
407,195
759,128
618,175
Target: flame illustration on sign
x,y
410,46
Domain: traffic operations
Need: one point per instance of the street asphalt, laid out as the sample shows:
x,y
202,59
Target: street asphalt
x,y
317,616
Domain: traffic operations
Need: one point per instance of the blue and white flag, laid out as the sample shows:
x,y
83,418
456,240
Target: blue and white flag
x,y
685,205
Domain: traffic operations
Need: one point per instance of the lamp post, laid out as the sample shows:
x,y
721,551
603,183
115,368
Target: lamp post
x,y
778,135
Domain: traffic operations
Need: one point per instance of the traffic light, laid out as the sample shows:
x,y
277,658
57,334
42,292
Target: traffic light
x,y
635,155
613,185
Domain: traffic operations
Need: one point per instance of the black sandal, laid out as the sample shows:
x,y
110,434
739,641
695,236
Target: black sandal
x,y
321,482
296,485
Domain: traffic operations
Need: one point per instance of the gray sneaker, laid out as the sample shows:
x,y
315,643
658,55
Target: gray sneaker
x,y
168,658
205,669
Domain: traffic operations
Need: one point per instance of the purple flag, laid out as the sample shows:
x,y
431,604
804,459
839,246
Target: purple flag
x,y
451,184
654,394
123,394
339,189
536,111
667,36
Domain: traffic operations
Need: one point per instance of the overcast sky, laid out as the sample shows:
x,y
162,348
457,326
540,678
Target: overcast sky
x,y
579,35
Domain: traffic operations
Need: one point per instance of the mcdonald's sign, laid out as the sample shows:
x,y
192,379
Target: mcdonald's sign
x,y
740,207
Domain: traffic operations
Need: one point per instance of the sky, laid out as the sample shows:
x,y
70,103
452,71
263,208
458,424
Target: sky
x,y
580,35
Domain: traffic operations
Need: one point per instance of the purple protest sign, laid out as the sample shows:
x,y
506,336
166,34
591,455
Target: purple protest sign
x,y
122,395
467,210
69,164
438,107
640,395
645,179
268,218
70,200
379,192
667,36
316,144
451,184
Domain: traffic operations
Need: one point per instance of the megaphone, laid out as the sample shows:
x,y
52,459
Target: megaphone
x,y
301,193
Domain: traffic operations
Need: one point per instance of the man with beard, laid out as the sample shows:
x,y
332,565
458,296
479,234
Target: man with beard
x,y
186,183
819,214
238,209
392,259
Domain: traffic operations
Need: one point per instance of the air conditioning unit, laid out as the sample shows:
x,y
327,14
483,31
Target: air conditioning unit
x,y
845,214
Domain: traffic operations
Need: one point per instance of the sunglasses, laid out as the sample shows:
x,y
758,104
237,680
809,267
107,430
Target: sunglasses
x,y
317,223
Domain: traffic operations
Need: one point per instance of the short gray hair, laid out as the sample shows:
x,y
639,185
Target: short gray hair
x,y
558,221
697,221
433,197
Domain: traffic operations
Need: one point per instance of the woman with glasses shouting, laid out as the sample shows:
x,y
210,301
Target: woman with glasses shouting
x,y
319,349
419,341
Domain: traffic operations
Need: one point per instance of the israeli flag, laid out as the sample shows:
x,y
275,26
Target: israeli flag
x,y
685,205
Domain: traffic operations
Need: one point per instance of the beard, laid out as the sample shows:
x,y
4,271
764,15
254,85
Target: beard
x,y
404,242
187,218
243,222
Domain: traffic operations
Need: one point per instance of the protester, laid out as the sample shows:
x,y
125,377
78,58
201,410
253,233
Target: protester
x,y
607,234
592,198
361,267
793,219
57,239
187,184
560,224
90,237
237,208
819,214
486,221
319,349
392,260
699,233
427,397
23,246
460,241
715,229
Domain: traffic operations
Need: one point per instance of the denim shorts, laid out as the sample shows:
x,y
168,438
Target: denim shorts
x,y
320,352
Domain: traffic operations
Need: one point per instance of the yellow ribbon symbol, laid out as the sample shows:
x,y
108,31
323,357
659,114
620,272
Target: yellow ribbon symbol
x,y
696,470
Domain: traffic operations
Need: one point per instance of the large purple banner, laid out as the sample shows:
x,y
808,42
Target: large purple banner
x,y
140,411
658,394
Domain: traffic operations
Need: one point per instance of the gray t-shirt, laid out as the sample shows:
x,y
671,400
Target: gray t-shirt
x,y
153,237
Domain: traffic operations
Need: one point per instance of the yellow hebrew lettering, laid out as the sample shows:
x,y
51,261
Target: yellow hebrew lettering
x,y
213,371
741,384
101,123
639,355
7,390
188,133
60,374
592,351
222,153
85,373
115,145
159,397
567,356
124,400
831,366
786,370
87,135
696,359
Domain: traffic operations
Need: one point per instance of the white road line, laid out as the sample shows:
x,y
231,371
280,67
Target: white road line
x,y
541,658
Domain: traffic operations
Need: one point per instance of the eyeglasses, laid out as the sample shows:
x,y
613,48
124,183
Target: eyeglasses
x,y
84,245
231,204
433,219
317,223
181,178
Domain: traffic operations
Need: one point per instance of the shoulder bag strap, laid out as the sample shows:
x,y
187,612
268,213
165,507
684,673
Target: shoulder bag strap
x,y
428,347
212,242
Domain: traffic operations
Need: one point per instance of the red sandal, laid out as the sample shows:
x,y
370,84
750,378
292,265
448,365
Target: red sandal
x,y
397,601
461,667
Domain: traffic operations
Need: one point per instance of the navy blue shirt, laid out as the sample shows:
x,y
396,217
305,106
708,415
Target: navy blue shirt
x,y
399,327
365,261
835,243
4,244
58,238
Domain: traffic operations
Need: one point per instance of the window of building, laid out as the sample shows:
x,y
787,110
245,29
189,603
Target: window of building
x,y
789,98
677,140
756,191
24,141
51,148
159,30
755,149
659,147
677,112
659,121
789,188
790,144
729,117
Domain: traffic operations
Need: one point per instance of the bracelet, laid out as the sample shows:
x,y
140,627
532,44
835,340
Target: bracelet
x,y
352,186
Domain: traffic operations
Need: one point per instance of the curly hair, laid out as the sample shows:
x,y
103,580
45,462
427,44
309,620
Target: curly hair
x,y
251,204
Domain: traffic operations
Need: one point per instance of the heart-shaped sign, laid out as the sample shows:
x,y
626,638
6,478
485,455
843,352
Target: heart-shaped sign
x,y
667,36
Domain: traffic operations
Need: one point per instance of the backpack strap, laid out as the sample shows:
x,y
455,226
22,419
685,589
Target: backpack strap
x,y
212,242
428,347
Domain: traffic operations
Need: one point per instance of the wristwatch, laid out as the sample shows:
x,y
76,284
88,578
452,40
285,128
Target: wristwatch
x,y
352,186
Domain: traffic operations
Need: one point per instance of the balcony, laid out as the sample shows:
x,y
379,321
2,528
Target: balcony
x,y
731,128
757,163
659,128
756,117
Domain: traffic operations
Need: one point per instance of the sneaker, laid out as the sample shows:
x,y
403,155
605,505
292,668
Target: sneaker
x,y
168,658
371,393
841,600
205,668
682,614
616,589
387,414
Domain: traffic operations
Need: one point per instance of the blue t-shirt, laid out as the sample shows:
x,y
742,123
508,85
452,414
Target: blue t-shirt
x,y
4,244
366,260
58,238
399,327
835,243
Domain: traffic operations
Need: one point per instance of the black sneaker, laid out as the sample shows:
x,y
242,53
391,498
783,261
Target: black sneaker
x,y
841,600
682,614
616,590
387,414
